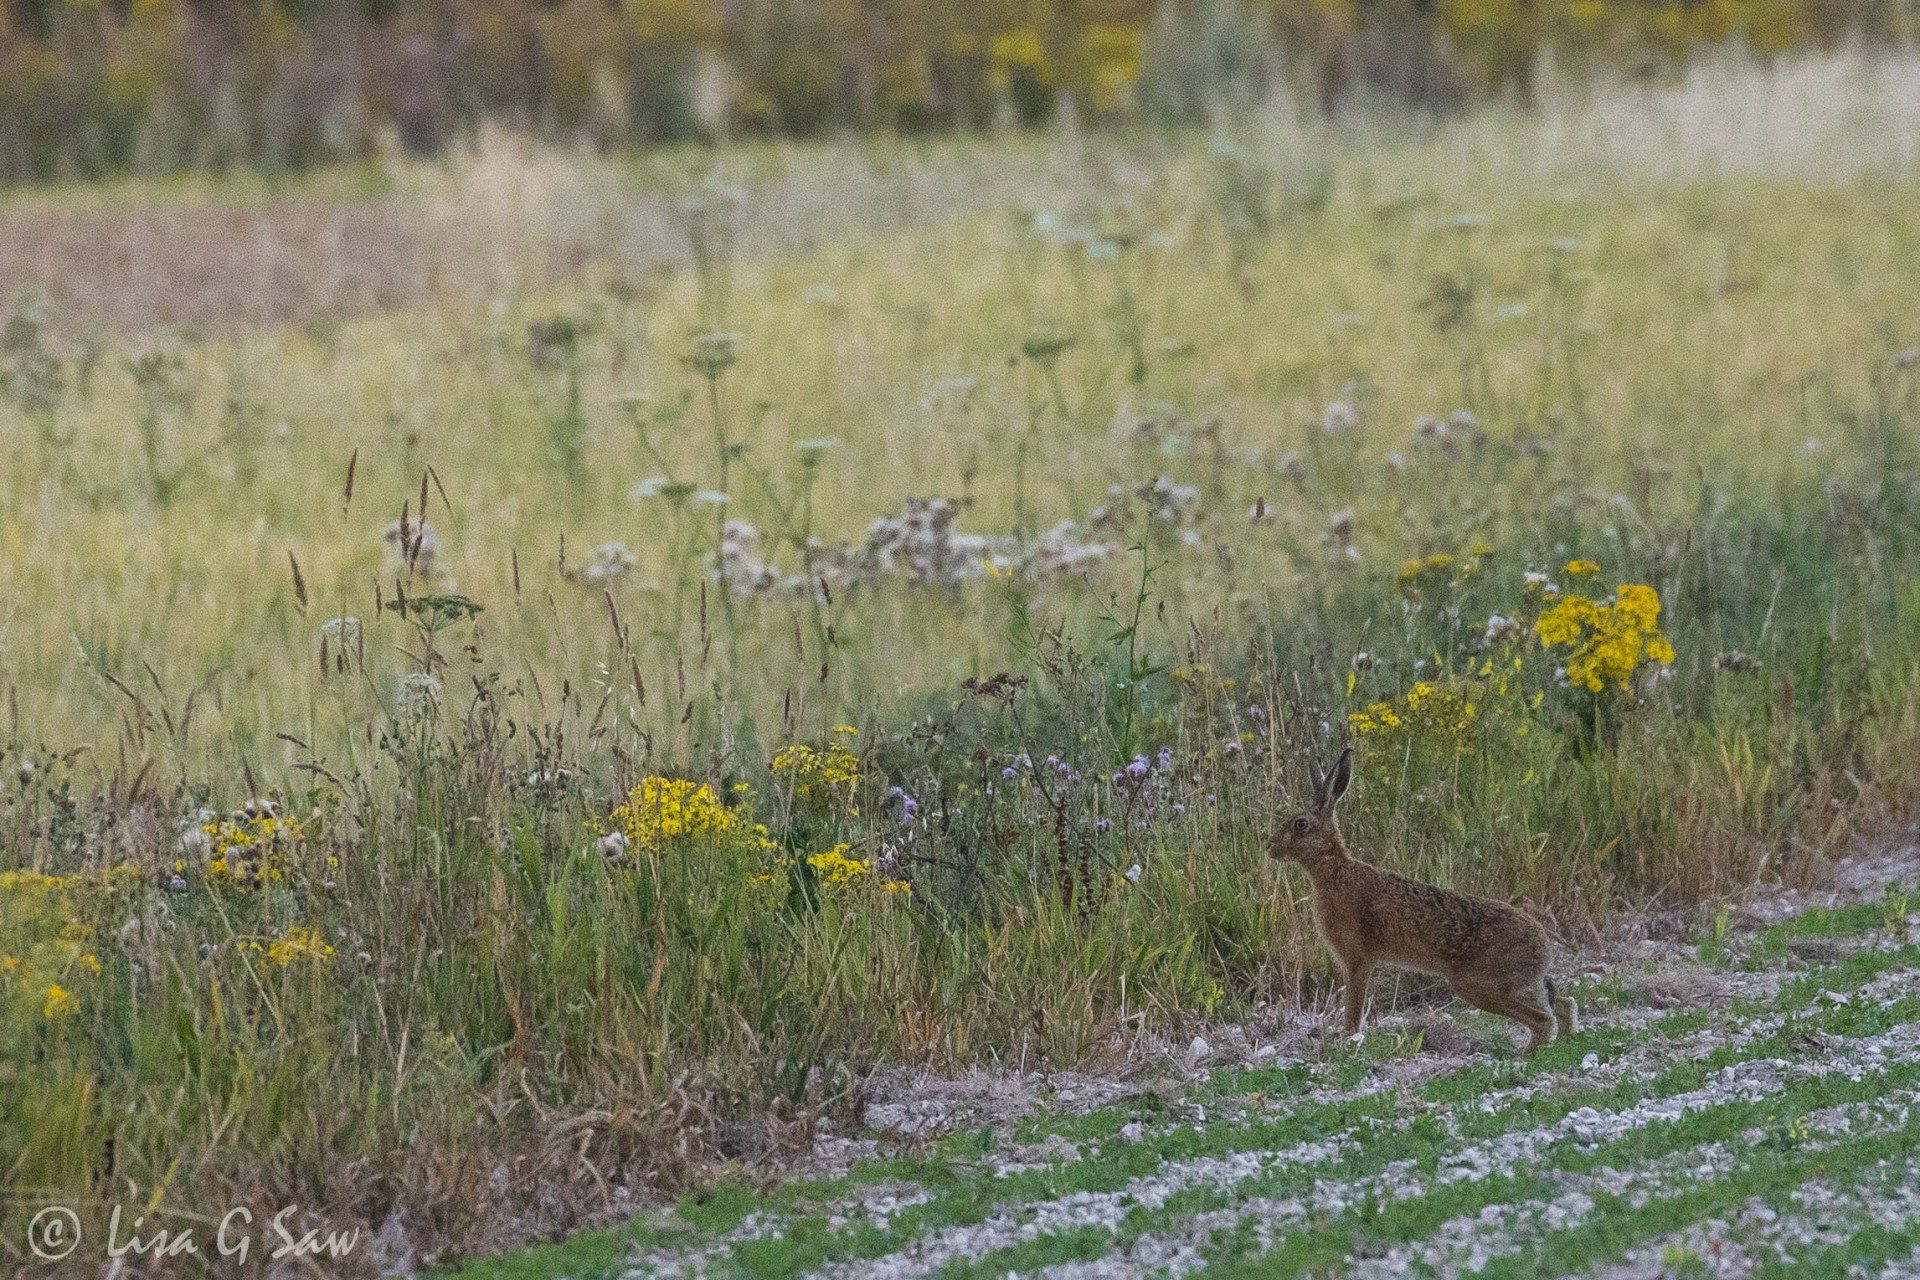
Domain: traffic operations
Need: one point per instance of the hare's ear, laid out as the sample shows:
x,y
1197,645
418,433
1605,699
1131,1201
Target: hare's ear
x,y
1319,786
1335,785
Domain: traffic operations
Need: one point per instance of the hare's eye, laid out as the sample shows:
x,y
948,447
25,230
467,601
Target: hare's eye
x,y
1300,826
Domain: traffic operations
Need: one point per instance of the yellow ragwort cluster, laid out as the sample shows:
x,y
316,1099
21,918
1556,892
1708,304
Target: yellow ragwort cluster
x,y
820,776
1442,566
1430,709
250,852
661,810
301,942
45,952
1608,641
837,870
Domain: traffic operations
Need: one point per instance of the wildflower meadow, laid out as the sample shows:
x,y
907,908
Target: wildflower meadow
x,y
511,761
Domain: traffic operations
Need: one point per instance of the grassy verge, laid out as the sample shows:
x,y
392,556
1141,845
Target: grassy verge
x,y
1383,1154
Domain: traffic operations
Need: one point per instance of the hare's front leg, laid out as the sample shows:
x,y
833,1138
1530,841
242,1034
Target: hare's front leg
x,y
1357,972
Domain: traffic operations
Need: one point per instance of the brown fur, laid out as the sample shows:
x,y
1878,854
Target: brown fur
x,y
1494,954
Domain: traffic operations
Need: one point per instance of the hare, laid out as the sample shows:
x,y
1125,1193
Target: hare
x,y
1494,954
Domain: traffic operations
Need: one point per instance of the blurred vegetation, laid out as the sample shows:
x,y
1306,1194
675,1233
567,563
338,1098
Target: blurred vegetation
x,y
96,86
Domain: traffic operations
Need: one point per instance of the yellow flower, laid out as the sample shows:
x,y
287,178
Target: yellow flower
x,y
1582,568
1564,623
661,810
296,943
837,871
1639,604
1377,717
834,867
819,776
35,882
1437,564
59,1002
248,852
1431,710
1608,642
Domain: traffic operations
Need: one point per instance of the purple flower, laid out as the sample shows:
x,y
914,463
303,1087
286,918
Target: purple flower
x,y
1164,760
1178,809
1137,768
1007,772
1232,747
1101,825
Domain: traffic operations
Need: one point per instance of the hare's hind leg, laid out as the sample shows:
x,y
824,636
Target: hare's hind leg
x,y
1527,1007
1566,1013
1533,1008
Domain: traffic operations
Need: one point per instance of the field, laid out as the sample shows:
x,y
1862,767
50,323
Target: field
x,y
541,687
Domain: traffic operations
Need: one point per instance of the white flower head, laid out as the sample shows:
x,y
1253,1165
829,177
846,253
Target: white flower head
x,y
608,563
415,539
419,693
1339,417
